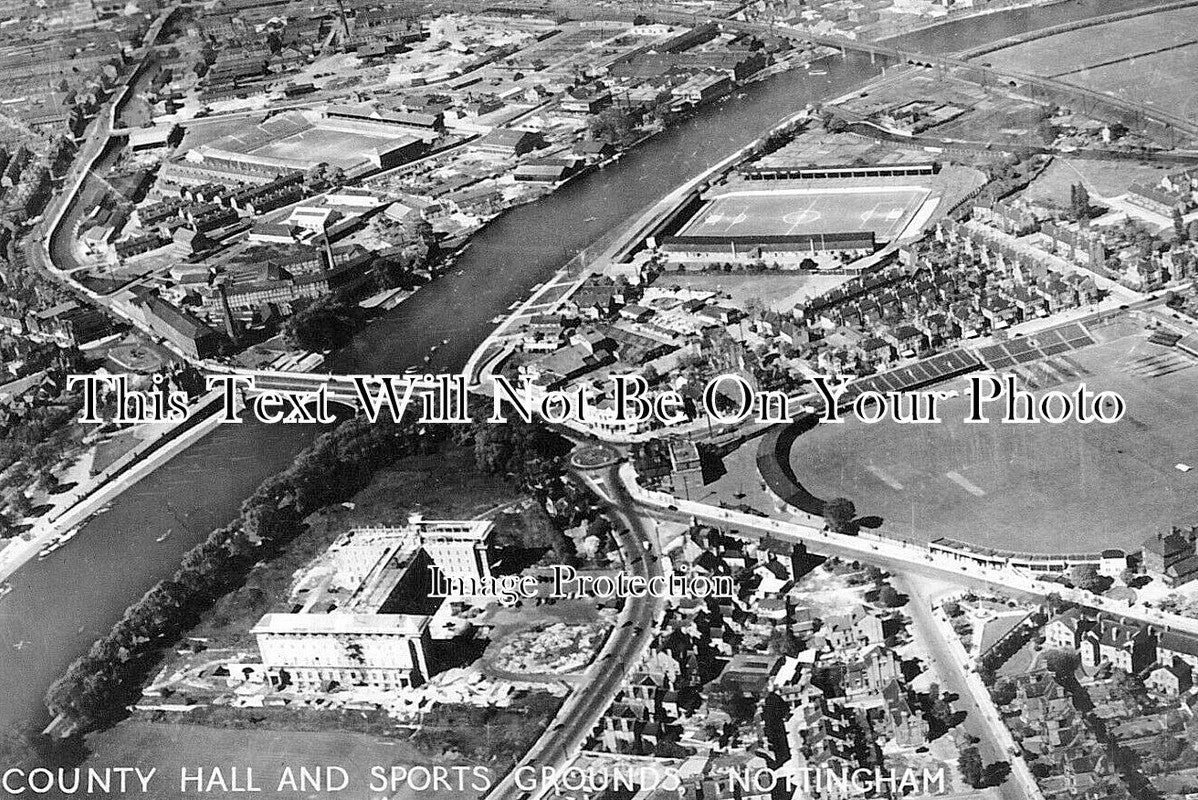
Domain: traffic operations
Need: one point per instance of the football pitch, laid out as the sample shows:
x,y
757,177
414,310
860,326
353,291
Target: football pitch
x,y
1035,488
339,148
796,212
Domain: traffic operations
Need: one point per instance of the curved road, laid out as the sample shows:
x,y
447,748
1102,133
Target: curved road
x,y
635,628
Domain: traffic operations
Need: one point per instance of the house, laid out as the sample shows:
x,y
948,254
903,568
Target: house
x,y
1129,648
876,350
1066,630
1170,557
1172,680
1176,647
907,339
857,627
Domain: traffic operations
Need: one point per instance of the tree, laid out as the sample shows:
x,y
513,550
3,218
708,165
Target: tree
x,y
1003,692
1167,747
996,773
19,503
833,124
839,513
612,124
1086,578
1179,225
970,765
324,325
952,608
1079,201
889,597
1061,662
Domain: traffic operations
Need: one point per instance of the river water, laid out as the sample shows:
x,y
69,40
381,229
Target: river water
x,y
60,605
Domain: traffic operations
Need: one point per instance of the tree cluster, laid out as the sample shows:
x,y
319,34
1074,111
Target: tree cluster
x,y
339,463
325,325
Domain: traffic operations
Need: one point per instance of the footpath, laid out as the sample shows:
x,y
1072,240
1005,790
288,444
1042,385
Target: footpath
x,y
76,506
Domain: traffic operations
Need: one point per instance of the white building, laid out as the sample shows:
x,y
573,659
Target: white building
x,y
386,651
349,627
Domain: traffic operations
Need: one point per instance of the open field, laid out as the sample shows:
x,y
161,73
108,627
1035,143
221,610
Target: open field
x,y
1164,80
1089,47
778,291
1040,487
1103,178
1001,120
340,148
171,748
797,212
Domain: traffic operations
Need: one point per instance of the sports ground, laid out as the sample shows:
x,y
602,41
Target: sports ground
x,y
796,212
1033,488
339,148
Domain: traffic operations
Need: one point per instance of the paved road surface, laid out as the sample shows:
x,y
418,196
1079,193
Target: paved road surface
x,y
634,630
949,661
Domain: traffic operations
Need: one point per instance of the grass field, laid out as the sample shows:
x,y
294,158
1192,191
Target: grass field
x,y
1165,80
1040,488
171,748
339,148
792,213
1104,178
1087,47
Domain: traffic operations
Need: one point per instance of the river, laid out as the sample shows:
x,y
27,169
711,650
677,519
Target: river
x,y
60,605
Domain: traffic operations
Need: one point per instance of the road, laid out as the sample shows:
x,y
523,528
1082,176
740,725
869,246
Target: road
x,y
899,555
635,628
948,656
913,575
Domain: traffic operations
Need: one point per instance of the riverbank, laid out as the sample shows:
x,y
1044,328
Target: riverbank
x,y
206,484
89,498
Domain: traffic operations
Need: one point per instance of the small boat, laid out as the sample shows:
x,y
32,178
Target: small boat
x,y
5,589
444,341
433,349
427,359
162,538
412,370
58,542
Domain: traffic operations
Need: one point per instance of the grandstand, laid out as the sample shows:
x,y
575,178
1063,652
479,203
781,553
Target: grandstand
x,y
1032,348
921,373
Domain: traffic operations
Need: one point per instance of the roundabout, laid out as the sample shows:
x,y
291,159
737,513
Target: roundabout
x,y
594,456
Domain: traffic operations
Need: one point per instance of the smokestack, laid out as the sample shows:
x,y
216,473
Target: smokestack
x,y
328,252
230,323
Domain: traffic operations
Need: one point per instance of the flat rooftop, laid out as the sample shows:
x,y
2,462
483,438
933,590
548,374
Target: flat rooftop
x,y
342,623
